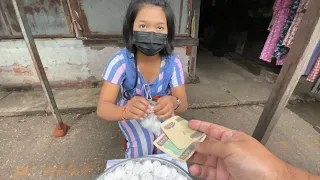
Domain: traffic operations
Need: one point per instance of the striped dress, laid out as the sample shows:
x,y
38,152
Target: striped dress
x,y
120,70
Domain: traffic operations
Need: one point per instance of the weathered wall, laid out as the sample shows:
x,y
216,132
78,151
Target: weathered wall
x,y
66,61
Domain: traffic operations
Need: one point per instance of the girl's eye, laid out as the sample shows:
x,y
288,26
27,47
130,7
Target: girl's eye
x,y
160,28
142,26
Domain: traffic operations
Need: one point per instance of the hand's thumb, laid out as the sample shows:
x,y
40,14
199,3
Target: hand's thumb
x,y
215,148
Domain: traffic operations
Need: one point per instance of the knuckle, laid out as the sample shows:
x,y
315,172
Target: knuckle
x,y
145,108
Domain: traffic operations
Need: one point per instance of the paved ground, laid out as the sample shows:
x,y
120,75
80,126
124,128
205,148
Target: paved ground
x,y
223,83
29,151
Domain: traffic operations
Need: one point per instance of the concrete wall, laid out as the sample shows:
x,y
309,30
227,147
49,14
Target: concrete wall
x,y
66,61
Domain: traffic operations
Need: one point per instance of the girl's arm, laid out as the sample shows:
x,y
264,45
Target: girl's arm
x,y
167,105
180,92
107,109
136,108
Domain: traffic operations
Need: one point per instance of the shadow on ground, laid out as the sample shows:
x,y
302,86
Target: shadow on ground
x,y
309,112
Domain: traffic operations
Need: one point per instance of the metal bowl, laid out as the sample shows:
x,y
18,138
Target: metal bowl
x,y
141,159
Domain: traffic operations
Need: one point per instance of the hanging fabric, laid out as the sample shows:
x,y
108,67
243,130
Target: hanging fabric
x,y
281,11
316,87
288,40
313,59
281,51
315,71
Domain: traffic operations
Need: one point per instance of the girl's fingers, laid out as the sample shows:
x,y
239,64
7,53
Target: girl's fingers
x,y
165,110
159,107
166,116
142,100
137,113
141,107
130,116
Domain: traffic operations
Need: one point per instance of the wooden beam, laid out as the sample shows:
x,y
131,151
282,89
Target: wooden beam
x,y
196,5
305,42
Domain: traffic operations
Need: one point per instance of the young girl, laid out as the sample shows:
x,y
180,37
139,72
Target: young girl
x,y
146,69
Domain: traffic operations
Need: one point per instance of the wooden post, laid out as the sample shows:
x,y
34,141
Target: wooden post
x,y
305,42
194,34
61,128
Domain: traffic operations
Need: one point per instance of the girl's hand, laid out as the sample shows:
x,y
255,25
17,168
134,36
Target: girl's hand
x,y
165,107
137,108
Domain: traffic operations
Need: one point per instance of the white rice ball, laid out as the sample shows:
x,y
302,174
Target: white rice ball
x,y
173,173
157,178
129,168
137,168
162,172
134,178
146,167
146,170
147,176
106,177
156,165
119,173
109,176
180,177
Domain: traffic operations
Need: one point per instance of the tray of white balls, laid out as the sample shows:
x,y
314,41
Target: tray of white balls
x,y
145,168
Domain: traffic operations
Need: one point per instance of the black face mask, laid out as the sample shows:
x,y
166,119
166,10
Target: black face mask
x,y
149,43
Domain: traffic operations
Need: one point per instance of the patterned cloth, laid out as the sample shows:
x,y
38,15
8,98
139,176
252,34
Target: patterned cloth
x,y
281,11
281,50
313,59
121,71
288,40
315,71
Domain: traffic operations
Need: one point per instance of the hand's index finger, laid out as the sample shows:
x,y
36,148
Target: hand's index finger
x,y
213,130
159,106
143,101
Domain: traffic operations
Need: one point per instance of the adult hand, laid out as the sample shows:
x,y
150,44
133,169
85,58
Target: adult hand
x,y
228,154
137,108
165,107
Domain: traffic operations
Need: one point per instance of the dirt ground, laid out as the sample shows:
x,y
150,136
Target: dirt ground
x,y
29,150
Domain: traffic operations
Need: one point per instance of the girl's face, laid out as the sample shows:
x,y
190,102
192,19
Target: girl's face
x,y
151,19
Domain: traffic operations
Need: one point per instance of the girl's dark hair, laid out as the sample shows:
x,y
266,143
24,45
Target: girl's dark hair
x,y
127,30
131,15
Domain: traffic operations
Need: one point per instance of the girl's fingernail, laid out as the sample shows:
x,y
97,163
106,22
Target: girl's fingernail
x,y
141,119
145,115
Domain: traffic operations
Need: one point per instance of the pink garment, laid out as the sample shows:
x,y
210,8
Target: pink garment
x,y
281,12
281,61
295,24
315,71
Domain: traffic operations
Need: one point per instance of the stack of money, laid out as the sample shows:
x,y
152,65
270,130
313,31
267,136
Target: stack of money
x,y
178,139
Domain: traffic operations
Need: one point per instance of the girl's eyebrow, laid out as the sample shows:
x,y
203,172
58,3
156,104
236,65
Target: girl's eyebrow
x,y
159,23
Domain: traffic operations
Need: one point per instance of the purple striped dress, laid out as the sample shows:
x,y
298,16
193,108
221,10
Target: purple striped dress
x,y
121,71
